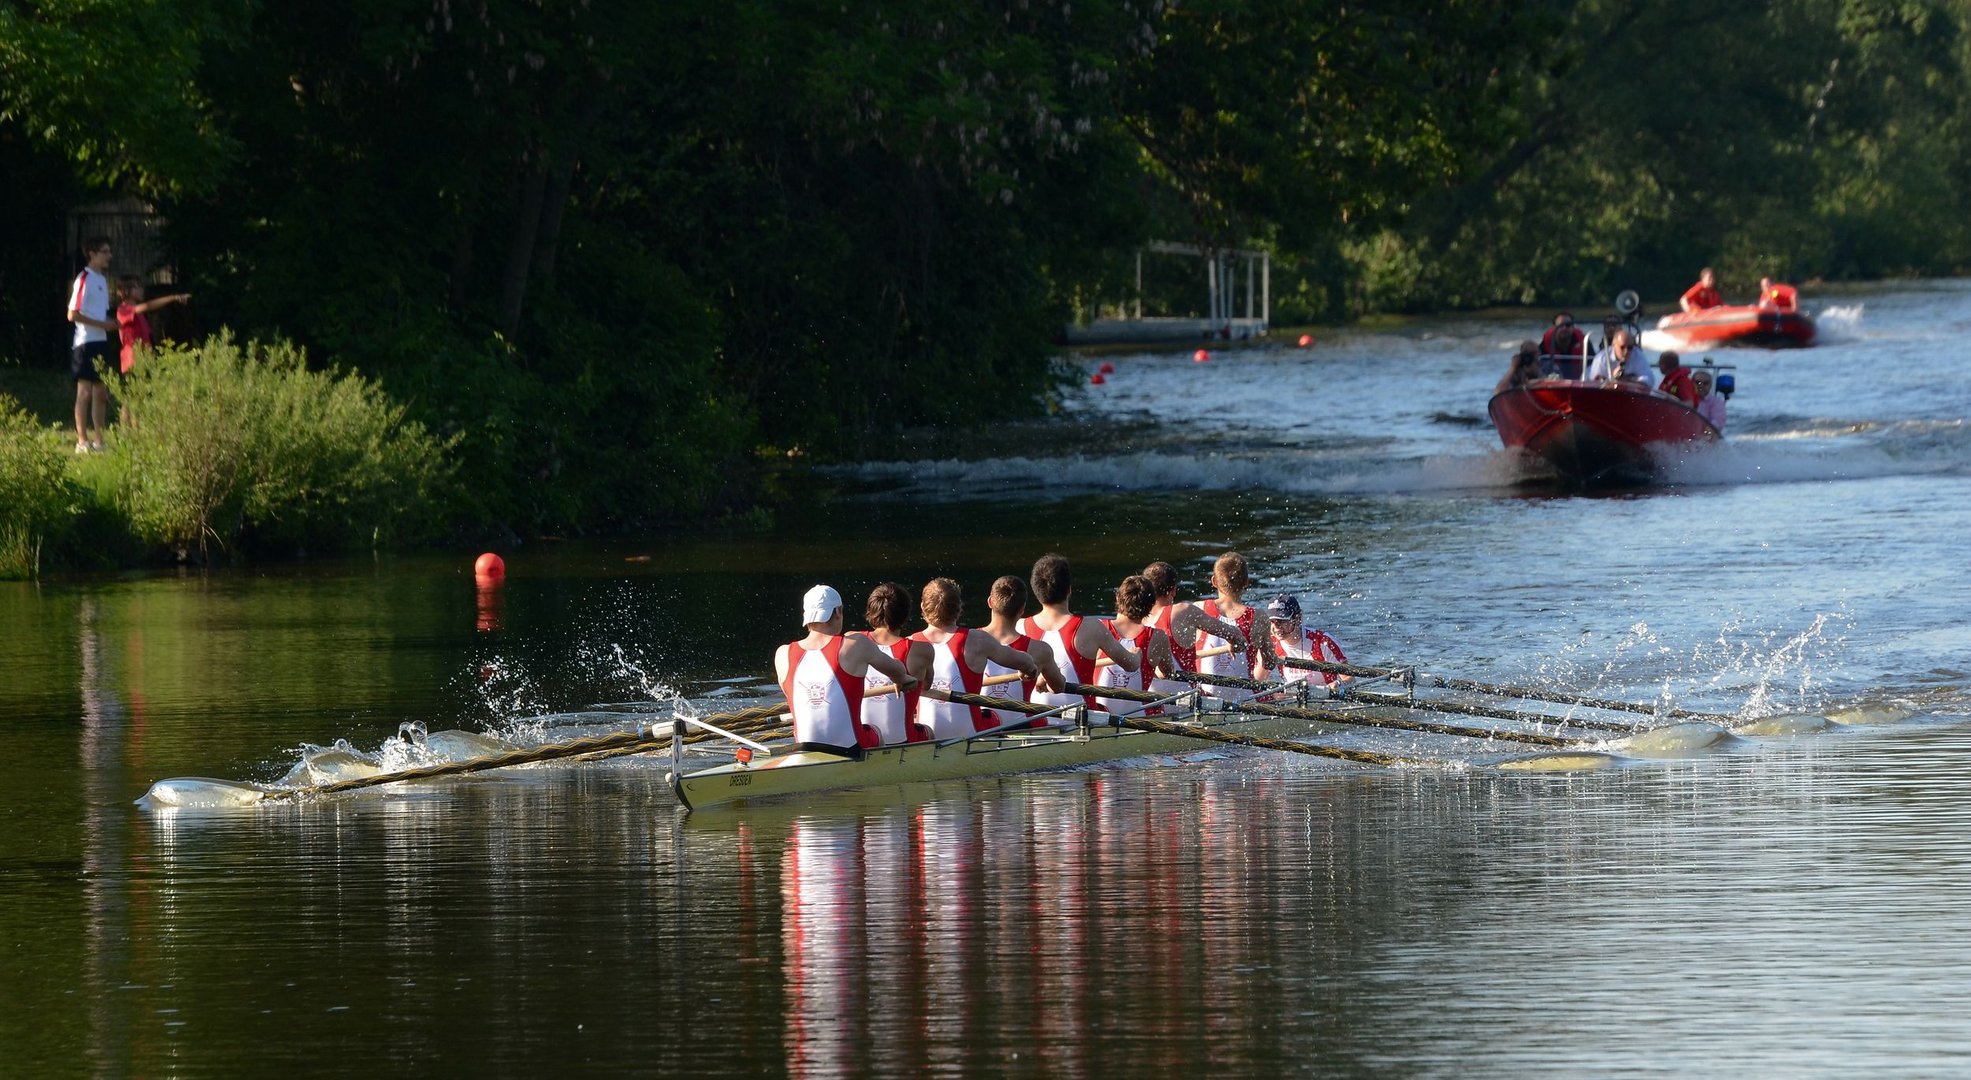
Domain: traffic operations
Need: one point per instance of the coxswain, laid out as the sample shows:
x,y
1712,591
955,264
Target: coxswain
x,y
1008,601
822,675
1291,636
1563,348
1182,621
1231,578
959,659
1077,642
1675,379
893,713
1134,599
1702,295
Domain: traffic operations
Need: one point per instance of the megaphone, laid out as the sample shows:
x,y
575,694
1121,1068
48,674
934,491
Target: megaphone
x,y
1627,302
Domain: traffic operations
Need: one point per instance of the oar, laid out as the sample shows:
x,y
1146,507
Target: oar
x,y
1422,704
618,742
1339,716
1528,692
1193,731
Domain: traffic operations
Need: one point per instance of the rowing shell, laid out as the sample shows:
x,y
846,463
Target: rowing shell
x,y
1018,751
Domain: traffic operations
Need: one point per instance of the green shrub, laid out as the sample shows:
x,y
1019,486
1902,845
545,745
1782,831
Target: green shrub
x,y
227,443
37,501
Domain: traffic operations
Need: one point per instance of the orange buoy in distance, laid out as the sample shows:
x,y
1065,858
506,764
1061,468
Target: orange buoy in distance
x,y
1306,340
489,568
1200,356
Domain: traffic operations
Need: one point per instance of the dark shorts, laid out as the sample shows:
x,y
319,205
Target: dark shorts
x,y
82,361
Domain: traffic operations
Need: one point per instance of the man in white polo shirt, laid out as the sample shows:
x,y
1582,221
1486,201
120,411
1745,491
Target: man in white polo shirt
x,y
89,310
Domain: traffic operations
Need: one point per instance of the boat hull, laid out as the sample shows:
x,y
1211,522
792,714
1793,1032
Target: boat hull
x,y
1596,435
1760,327
805,772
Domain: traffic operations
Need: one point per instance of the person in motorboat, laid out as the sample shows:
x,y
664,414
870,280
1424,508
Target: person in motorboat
x,y
1291,636
1561,348
1184,622
1709,405
1778,297
1622,362
822,675
1077,642
1525,369
959,658
893,714
1008,603
1675,380
1134,599
1702,295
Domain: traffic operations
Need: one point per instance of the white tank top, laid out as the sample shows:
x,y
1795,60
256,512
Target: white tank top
x,y
1014,690
888,714
948,720
1227,663
1114,675
1074,667
818,696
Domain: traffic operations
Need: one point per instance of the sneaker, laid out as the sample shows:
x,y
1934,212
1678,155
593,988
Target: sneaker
x,y
95,447
81,447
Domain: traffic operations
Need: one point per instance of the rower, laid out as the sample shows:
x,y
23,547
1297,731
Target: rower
x,y
1182,621
1008,601
822,675
1134,599
1231,578
891,713
1077,642
959,659
1292,637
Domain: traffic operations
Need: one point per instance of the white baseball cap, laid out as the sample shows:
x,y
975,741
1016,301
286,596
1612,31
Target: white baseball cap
x,y
820,605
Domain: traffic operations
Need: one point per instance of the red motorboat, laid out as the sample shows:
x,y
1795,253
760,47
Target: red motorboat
x,y
1594,434
1766,327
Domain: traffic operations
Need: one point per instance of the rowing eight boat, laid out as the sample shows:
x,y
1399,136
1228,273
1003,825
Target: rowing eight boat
x,y
1084,739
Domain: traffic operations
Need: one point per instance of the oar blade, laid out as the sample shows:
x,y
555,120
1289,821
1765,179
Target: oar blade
x,y
202,793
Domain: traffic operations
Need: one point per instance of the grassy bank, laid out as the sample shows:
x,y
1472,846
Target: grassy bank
x,y
224,449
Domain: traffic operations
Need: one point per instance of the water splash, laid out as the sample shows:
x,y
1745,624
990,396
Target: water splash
x,y
1838,323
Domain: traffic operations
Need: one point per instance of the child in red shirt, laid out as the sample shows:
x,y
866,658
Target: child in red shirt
x,y
131,324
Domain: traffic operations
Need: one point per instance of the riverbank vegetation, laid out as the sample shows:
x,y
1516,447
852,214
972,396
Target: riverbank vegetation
x,y
618,255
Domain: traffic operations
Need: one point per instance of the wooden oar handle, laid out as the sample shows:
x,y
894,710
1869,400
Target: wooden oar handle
x,y
1221,650
992,680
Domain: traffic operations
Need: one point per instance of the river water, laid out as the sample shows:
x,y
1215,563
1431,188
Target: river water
x,y
1788,905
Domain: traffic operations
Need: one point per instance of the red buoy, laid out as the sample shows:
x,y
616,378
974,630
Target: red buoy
x,y
1200,356
489,567
1108,368
1096,379
1306,340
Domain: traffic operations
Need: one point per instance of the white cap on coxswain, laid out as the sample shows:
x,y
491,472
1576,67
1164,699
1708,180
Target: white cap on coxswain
x,y
820,604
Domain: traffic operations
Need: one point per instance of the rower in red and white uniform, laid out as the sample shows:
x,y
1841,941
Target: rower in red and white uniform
x,y
1292,637
822,676
1077,642
1134,598
890,711
1182,621
1230,577
958,662
1008,601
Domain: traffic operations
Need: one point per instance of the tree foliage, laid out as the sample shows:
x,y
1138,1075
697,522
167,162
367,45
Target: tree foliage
x,y
620,248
